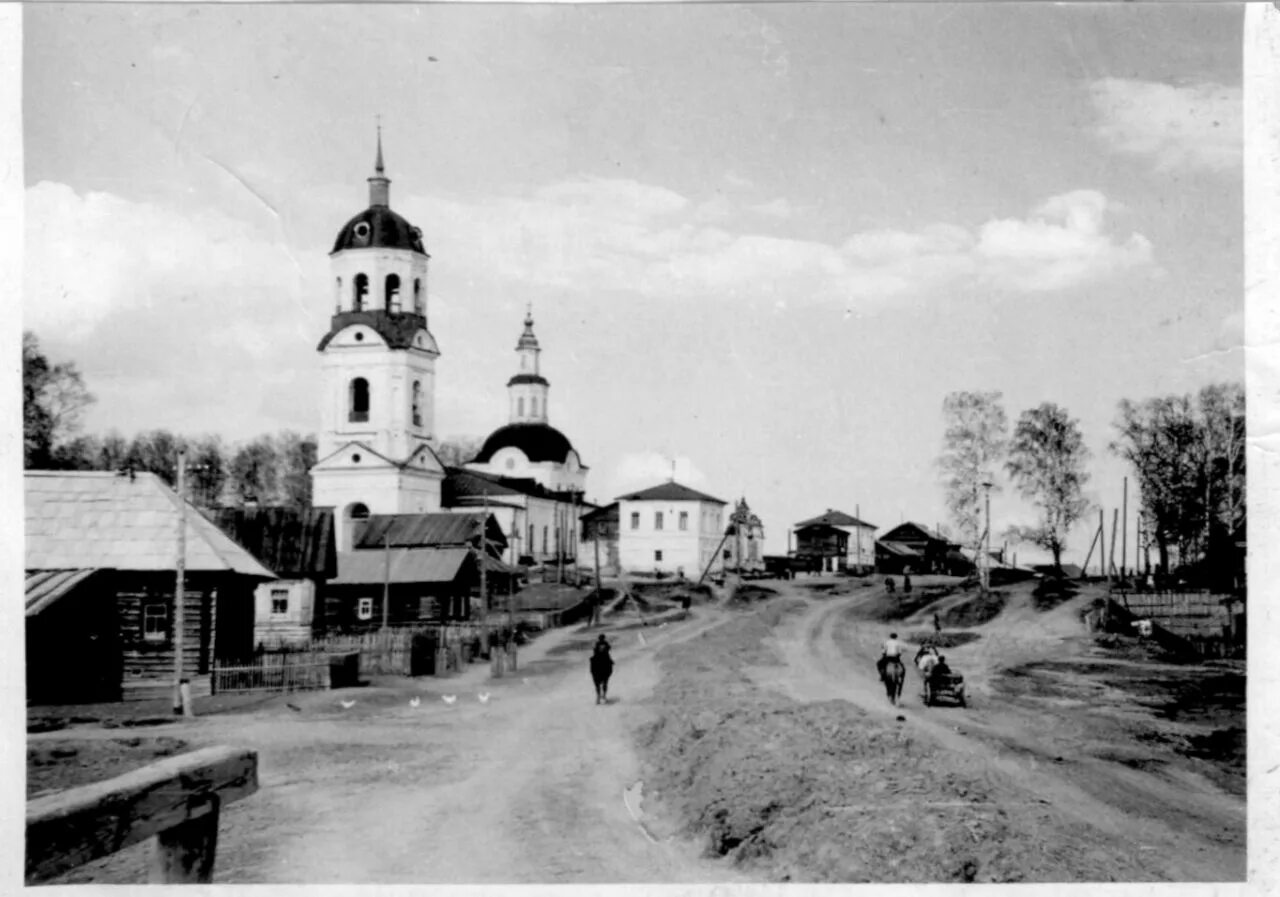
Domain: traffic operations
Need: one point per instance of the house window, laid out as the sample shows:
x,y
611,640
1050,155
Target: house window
x,y
533,406
418,307
657,555
684,520
657,520
279,602
726,554
520,407
530,538
359,400
417,403
393,292
360,288
635,519
155,622
364,609
544,540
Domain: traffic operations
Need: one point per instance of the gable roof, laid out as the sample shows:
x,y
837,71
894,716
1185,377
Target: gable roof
x,y
292,542
44,587
670,491
835,518
897,548
911,530
102,519
438,530
405,565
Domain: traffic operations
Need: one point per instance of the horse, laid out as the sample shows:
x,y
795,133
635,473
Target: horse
x,y
601,669
893,674
926,657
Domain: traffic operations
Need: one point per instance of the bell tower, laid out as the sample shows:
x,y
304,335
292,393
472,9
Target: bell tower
x,y
377,371
528,388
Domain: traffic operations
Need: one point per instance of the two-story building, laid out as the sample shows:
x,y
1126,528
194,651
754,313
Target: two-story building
x,y
670,529
836,542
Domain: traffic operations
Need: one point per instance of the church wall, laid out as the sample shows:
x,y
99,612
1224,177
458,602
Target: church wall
x,y
390,376
383,490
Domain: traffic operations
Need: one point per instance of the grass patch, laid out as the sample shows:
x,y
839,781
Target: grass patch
x,y
977,610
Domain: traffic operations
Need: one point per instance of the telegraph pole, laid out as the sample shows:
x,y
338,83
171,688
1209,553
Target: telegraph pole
x,y
386,579
181,691
1124,530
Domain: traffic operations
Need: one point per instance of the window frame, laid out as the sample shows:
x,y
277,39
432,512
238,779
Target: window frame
x,y
148,635
635,520
683,521
364,608
280,596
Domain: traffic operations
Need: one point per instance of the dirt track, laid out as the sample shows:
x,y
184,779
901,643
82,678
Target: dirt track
x,y
761,735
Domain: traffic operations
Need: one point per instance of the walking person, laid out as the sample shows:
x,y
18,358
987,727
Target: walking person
x,y
601,668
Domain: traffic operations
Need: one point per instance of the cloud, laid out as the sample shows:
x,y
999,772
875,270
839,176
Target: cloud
x,y
601,236
1197,126
639,470
778,208
1062,244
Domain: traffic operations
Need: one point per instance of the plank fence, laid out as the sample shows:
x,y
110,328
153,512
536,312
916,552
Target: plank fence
x,y
1205,622
284,672
175,801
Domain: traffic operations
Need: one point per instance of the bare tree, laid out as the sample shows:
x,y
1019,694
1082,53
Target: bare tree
x,y
1047,465
973,449
54,398
458,450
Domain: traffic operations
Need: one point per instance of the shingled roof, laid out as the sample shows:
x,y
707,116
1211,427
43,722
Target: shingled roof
x,y
78,520
835,518
429,531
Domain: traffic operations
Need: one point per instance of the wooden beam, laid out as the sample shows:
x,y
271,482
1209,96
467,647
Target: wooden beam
x,y
73,827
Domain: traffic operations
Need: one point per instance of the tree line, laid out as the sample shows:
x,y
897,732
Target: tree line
x,y
1186,453
269,470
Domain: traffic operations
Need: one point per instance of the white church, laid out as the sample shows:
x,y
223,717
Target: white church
x,y
377,434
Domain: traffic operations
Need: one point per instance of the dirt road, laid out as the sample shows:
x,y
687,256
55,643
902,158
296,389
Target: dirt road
x,y
529,786
1188,828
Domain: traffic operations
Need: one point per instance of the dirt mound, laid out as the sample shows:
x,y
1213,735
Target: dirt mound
x,y
941,639
821,793
886,608
975,611
751,594
1051,592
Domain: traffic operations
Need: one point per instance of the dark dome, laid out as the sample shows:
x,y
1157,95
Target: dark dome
x,y
539,442
383,229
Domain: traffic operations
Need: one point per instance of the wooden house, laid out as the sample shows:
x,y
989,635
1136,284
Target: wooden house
x,y
599,540
428,564
101,562
835,542
299,546
912,548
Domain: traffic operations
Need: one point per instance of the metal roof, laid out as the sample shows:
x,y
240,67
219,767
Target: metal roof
x,y
292,542
44,587
670,491
428,530
408,565
82,519
835,518
899,549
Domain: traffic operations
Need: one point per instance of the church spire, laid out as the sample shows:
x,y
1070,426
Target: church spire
x,y
379,184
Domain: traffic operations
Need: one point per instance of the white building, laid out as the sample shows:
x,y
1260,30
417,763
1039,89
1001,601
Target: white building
x,y
378,372
670,528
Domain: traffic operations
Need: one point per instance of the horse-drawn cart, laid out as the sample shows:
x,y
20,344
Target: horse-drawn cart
x,y
946,687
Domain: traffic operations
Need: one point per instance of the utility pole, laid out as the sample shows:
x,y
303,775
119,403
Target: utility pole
x,y
1124,530
484,549
181,690
386,579
595,541
857,531
985,569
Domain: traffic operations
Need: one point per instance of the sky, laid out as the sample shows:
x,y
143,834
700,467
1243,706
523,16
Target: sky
x,y
763,242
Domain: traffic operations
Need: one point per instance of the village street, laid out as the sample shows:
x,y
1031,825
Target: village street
x,y
539,784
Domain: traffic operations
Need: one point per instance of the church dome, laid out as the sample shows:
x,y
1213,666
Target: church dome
x,y
539,442
378,227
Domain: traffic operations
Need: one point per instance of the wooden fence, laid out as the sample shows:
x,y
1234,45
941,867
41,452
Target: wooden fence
x,y
284,671
176,801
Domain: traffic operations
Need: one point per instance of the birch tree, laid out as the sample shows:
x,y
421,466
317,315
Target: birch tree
x,y
973,448
1047,465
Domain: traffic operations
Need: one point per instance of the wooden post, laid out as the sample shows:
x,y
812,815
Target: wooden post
x,y
1102,547
176,800
484,549
181,698
1124,530
1115,517
386,580
595,541
1084,568
857,530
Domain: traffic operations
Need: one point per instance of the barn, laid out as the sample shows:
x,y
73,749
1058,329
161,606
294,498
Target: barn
x,y
101,564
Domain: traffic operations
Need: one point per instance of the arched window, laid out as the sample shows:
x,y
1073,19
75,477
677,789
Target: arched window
x,y
533,406
417,403
419,306
358,511
360,291
530,538
520,407
338,296
359,400
393,292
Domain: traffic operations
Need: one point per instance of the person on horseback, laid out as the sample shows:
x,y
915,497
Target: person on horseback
x,y
890,652
601,668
